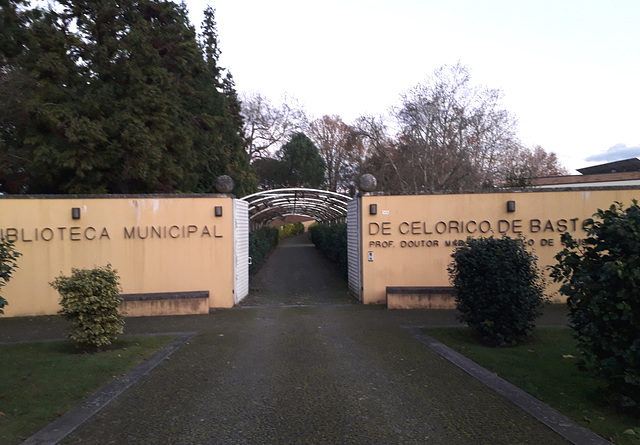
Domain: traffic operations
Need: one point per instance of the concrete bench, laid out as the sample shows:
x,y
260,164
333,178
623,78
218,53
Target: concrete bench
x,y
421,297
165,303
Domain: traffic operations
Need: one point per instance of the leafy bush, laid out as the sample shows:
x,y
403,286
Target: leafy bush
x,y
499,288
90,300
290,230
331,240
8,263
601,278
261,241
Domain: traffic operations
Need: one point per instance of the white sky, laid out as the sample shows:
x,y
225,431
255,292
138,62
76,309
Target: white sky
x,y
569,69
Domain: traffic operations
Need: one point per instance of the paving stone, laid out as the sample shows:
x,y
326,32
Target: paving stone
x,y
305,367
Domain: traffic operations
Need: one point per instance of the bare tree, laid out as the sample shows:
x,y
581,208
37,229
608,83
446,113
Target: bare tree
x,y
447,135
339,148
266,126
452,132
378,154
517,169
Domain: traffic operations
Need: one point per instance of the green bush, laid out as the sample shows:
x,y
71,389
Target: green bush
x,y
90,300
331,240
290,230
499,288
8,263
261,241
600,275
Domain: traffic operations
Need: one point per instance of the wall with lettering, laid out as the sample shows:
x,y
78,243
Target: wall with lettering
x,y
162,244
408,240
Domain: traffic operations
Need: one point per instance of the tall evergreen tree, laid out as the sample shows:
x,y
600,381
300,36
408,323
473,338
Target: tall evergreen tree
x,y
301,162
216,108
120,97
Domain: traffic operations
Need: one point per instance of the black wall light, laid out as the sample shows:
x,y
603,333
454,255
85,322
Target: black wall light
x,y
75,212
217,210
511,206
373,209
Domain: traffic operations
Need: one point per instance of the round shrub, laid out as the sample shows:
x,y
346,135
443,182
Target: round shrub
x,y
499,288
600,275
90,301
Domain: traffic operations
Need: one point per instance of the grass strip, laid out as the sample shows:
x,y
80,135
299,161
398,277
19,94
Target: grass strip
x,y
545,367
41,381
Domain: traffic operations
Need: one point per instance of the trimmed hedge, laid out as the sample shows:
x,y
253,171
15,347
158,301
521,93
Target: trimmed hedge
x,y
261,241
290,230
264,239
331,240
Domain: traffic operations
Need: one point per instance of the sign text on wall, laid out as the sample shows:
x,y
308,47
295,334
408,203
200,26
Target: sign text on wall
x,y
467,228
90,233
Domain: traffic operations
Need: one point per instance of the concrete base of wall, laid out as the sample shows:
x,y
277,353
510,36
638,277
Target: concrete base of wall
x,y
421,297
165,303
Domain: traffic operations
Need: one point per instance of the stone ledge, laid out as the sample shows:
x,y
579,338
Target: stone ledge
x,y
421,297
165,303
165,295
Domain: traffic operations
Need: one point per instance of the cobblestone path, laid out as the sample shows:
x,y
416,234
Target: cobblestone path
x,y
297,274
327,372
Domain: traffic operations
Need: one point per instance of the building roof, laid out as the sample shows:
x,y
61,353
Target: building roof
x,y
625,165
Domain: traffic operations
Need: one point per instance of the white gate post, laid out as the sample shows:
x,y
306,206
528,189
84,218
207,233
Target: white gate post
x,y
354,247
241,249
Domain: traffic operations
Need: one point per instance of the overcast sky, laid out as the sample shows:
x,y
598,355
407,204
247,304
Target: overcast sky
x,y
570,70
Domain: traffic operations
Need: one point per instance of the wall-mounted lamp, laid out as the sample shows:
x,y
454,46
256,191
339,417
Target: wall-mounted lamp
x,y
373,209
511,206
75,213
217,210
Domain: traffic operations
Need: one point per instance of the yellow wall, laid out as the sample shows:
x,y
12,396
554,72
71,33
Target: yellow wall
x,y
402,222
190,250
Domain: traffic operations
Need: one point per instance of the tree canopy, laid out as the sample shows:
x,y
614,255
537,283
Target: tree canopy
x,y
297,164
447,135
452,135
303,165
115,97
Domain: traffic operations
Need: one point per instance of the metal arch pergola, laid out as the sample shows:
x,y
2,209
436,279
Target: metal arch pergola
x,y
322,205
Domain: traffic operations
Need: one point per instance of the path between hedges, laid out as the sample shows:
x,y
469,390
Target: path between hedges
x,y
326,372
295,274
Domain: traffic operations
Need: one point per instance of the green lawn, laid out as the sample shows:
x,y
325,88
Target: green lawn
x,y
41,381
545,367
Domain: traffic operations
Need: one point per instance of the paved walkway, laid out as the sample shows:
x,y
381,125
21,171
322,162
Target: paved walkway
x,y
329,372
296,275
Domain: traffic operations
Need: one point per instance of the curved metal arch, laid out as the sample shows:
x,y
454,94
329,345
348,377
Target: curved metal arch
x,y
322,205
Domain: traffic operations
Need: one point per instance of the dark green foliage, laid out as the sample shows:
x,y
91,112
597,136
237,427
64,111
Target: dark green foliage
x,y
601,278
302,163
8,263
261,241
331,240
298,164
115,97
499,288
90,300
290,230
270,173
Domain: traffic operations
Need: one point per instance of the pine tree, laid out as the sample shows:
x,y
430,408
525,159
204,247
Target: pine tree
x,y
302,164
118,97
